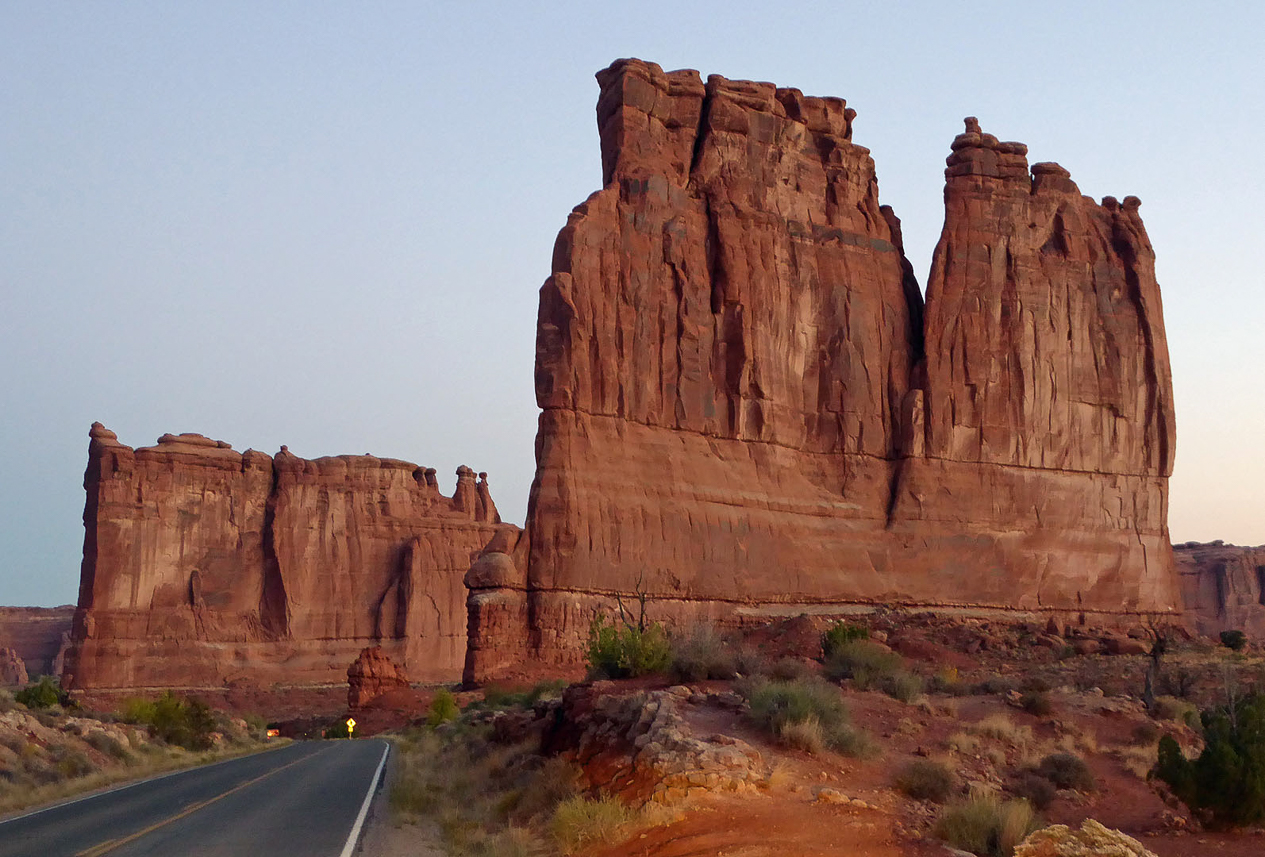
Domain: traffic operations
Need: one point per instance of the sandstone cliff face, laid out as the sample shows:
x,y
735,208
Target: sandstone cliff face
x,y
745,403
371,675
37,636
205,566
1223,587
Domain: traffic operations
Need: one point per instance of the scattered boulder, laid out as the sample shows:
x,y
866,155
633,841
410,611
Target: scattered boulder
x,y
1092,840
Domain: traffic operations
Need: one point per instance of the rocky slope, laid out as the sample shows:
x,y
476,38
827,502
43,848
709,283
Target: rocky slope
x,y
204,566
746,406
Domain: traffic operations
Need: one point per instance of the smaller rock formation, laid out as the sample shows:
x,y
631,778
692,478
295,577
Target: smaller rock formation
x,y
36,635
371,675
1223,587
1092,840
12,669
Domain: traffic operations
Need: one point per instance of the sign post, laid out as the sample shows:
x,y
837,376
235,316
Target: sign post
x,y
351,726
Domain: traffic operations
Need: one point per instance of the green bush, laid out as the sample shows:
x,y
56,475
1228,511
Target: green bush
x,y
44,693
838,634
702,653
861,661
923,779
443,708
496,697
174,720
1066,771
1234,640
985,826
804,714
1226,784
627,651
902,685
338,729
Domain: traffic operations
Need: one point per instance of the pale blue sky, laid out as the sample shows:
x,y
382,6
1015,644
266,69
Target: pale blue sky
x,y
325,224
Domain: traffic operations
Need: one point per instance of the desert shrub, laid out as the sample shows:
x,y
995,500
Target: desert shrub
x,y
862,661
840,633
923,779
1066,771
1034,788
1226,783
44,693
1035,684
1002,728
702,653
792,669
947,680
71,762
902,685
172,719
1036,702
1234,640
789,710
496,697
443,708
108,744
986,826
995,685
1146,732
580,823
627,651
1177,711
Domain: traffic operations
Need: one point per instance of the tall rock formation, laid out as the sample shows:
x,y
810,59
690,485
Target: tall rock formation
x,y
746,407
1223,587
204,566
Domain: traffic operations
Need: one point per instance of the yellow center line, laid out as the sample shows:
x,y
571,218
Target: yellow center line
x,y
111,844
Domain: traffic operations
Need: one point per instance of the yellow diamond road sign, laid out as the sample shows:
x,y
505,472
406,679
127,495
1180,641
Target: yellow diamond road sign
x,y
351,724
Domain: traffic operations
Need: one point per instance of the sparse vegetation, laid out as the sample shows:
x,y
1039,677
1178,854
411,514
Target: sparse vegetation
x,y
1234,640
580,822
700,652
872,666
1225,785
924,779
443,708
44,693
804,714
839,634
1066,771
1034,788
987,826
184,722
1037,702
627,650
496,697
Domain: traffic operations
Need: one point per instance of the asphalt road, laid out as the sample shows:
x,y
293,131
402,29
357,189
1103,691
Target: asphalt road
x,y
303,799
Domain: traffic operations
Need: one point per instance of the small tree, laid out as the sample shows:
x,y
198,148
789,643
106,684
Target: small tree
x,y
1226,784
1234,640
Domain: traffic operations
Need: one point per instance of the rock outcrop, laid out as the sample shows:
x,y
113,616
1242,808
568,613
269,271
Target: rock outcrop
x,y
12,669
37,635
1092,840
1223,587
371,675
205,566
746,406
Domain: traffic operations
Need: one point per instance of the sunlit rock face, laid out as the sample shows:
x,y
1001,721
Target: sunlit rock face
x,y
747,408
205,566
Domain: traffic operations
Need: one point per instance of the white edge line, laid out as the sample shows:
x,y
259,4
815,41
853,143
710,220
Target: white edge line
x,y
125,786
364,807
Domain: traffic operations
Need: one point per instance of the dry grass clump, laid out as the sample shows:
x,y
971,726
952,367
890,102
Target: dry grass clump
x,y
986,826
925,779
700,652
999,727
809,715
580,823
490,799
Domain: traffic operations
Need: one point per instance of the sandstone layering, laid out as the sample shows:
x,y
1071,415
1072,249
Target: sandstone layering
x,y
204,566
1223,587
747,409
37,637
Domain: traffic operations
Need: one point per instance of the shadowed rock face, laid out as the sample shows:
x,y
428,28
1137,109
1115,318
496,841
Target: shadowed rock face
x,y
1223,587
37,636
371,675
747,408
204,566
